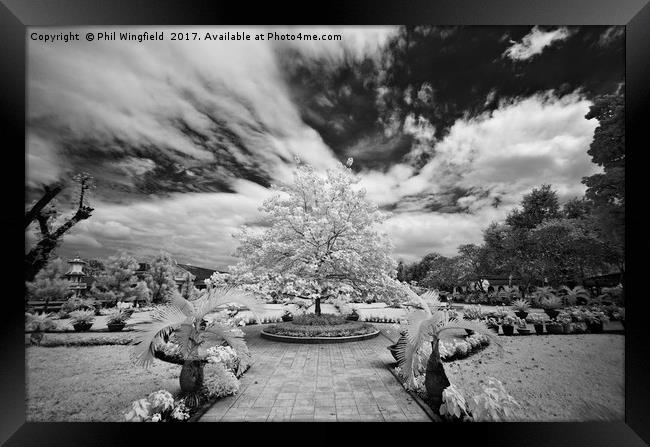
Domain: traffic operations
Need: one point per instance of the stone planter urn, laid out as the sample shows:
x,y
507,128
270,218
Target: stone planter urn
x,y
82,326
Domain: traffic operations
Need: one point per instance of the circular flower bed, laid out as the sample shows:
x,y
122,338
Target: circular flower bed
x,y
317,327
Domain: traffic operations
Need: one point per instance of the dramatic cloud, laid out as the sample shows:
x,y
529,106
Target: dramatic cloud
x,y
534,43
481,170
197,228
185,138
174,116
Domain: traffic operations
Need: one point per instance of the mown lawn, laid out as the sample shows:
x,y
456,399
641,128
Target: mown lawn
x,y
96,383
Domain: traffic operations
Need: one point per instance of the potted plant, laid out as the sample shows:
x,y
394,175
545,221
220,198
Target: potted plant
x,y
551,304
184,320
353,316
508,324
537,321
565,320
472,313
82,320
287,315
522,328
493,324
521,307
595,321
554,327
620,316
117,320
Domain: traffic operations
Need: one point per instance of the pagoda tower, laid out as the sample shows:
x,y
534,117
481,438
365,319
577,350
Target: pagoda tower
x,y
75,275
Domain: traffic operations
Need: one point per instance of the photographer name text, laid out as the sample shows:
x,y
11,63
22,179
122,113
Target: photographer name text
x,y
111,36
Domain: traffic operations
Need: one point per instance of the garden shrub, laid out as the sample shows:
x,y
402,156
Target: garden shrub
x,y
347,329
219,381
472,313
493,404
74,304
159,406
319,320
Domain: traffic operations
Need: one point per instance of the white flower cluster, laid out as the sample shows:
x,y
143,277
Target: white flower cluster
x,y
224,355
219,381
454,349
380,319
158,406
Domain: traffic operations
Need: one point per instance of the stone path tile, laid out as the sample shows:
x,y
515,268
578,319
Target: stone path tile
x,y
324,383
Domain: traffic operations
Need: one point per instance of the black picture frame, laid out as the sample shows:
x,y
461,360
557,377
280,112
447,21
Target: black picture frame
x,y
16,15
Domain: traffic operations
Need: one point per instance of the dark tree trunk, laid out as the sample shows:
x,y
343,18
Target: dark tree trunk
x,y
436,379
191,378
38,257
51,191
317,306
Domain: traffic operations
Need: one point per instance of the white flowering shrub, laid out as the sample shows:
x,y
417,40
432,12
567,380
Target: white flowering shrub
x,y
453,405
217,280
219,381
224,355
159,406
493,404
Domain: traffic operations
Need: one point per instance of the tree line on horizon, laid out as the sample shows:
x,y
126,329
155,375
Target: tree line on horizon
x,y
541,242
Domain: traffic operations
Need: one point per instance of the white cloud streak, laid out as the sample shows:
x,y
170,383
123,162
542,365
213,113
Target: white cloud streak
x,y
533,43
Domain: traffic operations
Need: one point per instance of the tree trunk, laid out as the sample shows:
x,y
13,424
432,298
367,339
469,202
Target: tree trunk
x,y
191,378
51,191
39,256
435,380
317,306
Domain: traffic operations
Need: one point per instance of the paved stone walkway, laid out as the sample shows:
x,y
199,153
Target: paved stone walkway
x,y
317,382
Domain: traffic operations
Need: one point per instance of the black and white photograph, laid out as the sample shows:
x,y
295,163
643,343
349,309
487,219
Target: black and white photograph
x,y
325,223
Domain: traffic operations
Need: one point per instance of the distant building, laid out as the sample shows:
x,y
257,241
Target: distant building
x,y
77,277
184,274
198,274
608,280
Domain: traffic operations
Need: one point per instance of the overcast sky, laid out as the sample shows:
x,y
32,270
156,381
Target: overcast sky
x,y
448,128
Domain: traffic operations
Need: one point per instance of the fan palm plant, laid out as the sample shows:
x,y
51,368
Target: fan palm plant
x,y
193,332
426,326
541,294
572,296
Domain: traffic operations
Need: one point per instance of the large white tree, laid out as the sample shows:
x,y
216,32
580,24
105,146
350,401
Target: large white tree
x,y
322,237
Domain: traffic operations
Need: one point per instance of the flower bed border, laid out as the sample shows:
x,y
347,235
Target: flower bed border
x,y
318,340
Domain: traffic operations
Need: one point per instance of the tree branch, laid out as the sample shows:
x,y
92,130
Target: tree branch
x,y
51,191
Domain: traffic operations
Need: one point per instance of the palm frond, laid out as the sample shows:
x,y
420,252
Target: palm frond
x,y
431,300
216,297
419,328
187,337
182,304
163,321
